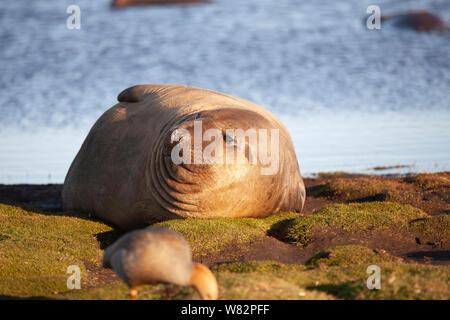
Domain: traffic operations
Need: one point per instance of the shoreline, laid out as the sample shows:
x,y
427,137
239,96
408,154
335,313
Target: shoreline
x,y
47,197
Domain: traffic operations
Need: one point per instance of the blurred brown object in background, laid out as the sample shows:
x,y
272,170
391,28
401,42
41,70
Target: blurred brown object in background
x,y
128,3
419,20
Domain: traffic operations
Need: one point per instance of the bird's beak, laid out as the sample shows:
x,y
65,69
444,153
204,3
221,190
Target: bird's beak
x,y
204,281
133,293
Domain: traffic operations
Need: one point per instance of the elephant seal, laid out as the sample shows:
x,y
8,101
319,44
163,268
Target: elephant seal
x,y
134,167
420,20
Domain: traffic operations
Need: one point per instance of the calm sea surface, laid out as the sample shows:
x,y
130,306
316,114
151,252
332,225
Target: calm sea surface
x,y
352,98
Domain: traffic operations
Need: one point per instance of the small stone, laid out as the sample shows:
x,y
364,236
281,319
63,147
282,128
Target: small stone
x,y
391,279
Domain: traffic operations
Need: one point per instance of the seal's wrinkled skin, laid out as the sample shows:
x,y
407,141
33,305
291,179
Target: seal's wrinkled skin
x,y
124,171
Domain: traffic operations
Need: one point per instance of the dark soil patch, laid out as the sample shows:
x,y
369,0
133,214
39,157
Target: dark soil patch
x,y
268,248
45,197
399,244
439,257
97,275
312,205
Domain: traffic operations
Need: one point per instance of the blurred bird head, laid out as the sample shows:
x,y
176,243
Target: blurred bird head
x,y
204,281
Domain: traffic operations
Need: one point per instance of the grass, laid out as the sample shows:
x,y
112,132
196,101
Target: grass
x,y
37,247
349,255
114,291
249,266
352,189
355,217
432,181
267,286
434,230
398,281
346,281
428,191
211,235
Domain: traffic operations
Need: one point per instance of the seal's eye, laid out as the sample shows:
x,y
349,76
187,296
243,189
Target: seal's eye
x,y
228,139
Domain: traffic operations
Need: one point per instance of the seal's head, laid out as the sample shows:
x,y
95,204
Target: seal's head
x,y
226,136
211,156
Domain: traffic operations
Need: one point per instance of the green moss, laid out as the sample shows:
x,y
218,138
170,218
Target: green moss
x,y
398,281
347,189
433,230
37,248
264,286
349,255
408,190
249,266
209,235
43,286
264,280
355,217
117,291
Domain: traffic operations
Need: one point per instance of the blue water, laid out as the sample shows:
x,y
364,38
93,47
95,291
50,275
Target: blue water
x,y
352,98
